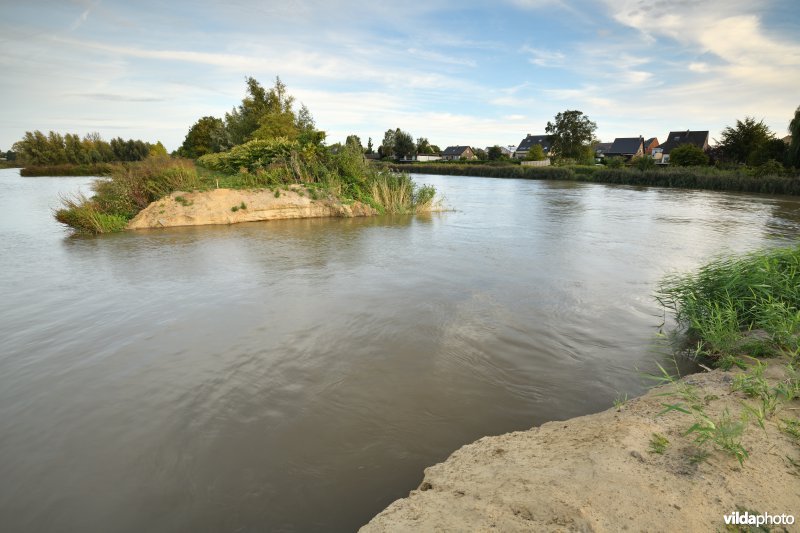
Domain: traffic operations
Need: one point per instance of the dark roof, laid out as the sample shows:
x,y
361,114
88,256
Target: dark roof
x,y
677,138
625,146
530,140
602,147
454,150
650,141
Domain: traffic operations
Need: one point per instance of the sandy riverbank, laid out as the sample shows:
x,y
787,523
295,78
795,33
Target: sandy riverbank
x,y
598,473
231,206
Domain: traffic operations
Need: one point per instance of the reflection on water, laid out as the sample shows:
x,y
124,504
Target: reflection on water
x,y
237,377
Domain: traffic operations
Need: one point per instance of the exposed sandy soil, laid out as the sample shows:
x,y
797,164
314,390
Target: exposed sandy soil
x,y
216,207
598,473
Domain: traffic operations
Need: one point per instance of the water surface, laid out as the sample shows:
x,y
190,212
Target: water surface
x,y
299,375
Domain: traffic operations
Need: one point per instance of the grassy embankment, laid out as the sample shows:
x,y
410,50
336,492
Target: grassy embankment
x,y
741,312
272,165
708,178
69,169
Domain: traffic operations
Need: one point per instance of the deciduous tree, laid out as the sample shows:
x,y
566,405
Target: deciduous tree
x,y
423,146
386,149
794,147
494,153
404,144
569,133
536,153
204,137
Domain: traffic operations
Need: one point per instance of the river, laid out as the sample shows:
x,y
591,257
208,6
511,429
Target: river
x,y
299,375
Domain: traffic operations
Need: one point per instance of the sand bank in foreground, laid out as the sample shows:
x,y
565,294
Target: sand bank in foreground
x,y
599,473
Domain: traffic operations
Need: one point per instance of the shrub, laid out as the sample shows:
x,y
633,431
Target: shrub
x,y
770,168
645,162
688,155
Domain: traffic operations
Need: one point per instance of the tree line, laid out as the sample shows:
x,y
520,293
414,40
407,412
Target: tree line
x,y
37,149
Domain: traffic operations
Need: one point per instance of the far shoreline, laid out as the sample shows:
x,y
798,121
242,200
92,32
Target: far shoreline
x,y
702,178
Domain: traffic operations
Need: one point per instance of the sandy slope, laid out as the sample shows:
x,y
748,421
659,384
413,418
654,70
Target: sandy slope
x,y
597,473
216,207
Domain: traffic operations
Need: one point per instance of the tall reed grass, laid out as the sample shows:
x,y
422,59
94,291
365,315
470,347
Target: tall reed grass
x,y
96,169
748,304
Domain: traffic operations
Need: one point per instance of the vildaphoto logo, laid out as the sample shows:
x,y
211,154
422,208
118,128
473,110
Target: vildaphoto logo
x,y
764,519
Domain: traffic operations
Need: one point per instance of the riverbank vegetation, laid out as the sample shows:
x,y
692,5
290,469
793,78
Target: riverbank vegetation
x,y
740,313
55,154
708,178
749,305
261,144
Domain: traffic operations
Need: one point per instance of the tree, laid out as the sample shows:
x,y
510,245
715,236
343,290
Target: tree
x,y
771,150
688,155
404,144
536,153
73,148
494,153
386,149
369,147
569,133
263,114
308,135
740,143
480,153
204,137
35,149
354,141
157,150
423,146
794,148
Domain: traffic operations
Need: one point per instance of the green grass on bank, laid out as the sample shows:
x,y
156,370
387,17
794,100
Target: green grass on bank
x,y
738,311
707,178
96,169
748,305
272,164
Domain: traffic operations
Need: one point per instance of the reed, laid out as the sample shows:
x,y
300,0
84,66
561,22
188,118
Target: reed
x,y
705,178
748,304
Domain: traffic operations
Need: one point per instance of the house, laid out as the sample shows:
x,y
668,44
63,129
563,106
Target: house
x,y
677,138
650,145
522,150
419,157
451,153
627,147
507,151
600,150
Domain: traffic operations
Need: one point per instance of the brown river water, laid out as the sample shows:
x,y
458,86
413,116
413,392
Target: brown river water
x,y
299,375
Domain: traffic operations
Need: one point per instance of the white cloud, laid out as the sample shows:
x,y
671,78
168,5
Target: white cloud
x,y
427,55
544,58
699,67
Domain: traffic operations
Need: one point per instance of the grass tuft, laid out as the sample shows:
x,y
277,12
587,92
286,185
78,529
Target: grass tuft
x,y
747,305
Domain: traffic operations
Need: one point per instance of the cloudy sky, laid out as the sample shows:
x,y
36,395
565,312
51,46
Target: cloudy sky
x,y
467,72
